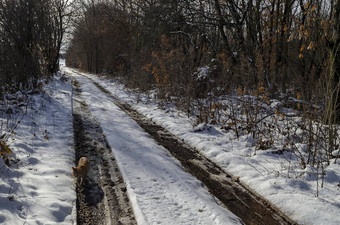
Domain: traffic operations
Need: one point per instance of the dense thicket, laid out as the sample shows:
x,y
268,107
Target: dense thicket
x,y
31,33
204,48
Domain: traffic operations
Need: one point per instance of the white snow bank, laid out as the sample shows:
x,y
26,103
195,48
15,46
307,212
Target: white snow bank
x,y
38,188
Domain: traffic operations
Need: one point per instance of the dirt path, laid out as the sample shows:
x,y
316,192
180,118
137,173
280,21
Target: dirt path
x,y
231,194
251,208
103,198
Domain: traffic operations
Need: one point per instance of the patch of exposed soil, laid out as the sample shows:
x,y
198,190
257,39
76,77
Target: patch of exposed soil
x,y
102,199
251,208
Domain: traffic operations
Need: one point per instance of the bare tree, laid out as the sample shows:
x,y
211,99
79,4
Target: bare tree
x,y
31,37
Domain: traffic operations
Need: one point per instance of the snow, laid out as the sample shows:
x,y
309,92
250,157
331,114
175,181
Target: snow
x,y
160,190
38,187
202,72
295,191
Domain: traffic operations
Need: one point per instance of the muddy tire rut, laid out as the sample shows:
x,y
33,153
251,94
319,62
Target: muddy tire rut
x,y
102,199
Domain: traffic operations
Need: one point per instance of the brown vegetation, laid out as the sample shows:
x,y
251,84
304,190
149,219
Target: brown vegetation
x,y
283,45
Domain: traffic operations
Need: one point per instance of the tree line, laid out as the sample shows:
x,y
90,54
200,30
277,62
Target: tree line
x,y
31,34
192,49
285,46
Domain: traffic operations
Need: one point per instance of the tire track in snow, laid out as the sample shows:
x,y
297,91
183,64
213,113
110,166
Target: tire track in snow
x,y
103,198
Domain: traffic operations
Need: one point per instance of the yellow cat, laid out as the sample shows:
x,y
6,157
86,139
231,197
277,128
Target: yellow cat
x,y
81,170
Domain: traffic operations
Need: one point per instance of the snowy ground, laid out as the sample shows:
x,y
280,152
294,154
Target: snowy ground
x,y
38,187
160,190
266,173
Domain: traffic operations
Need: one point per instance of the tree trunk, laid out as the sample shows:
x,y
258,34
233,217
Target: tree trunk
x,y
333,110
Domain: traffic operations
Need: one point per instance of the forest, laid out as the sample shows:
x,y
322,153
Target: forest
x,y
285,47
31,35
188,111
193,54
204,49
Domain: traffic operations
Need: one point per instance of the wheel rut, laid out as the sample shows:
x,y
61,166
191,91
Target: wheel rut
x,y
102,199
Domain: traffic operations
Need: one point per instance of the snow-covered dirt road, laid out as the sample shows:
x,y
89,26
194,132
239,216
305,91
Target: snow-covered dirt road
x,y
157,184
160,190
